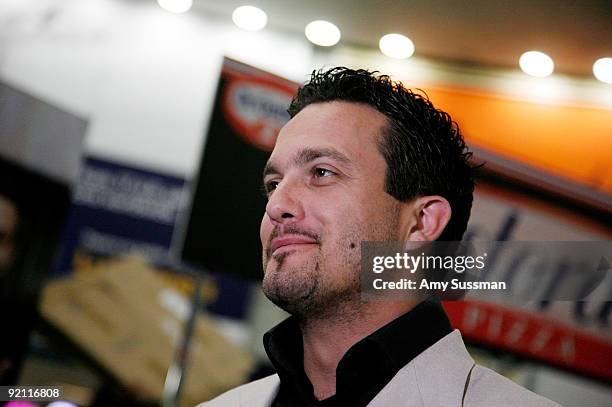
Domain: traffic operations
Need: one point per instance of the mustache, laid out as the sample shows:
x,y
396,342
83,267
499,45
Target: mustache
x,y
290,230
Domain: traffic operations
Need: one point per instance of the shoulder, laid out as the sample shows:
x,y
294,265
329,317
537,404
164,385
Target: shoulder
x,y
257,393
445,374
488,388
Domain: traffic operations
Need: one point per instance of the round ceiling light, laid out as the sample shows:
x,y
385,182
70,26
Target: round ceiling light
x,y
602,69
175,6
396,46
536,63
322,33
249,18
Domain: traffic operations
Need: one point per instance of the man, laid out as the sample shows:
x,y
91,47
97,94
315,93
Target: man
x,y
13,346
363,159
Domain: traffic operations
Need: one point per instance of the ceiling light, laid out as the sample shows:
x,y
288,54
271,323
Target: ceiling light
x,y
175,6
396,46
322,33
249,18
61,403
602,69
536,63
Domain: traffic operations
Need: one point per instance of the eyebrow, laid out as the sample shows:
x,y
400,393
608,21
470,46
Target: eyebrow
x,y
308,155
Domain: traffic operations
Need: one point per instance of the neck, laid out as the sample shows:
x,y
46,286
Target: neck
x,y
327,340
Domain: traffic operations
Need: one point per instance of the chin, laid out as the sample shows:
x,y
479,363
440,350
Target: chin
x,y
289,284
291,296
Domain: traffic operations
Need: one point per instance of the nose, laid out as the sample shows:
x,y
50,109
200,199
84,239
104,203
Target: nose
x,y
284,205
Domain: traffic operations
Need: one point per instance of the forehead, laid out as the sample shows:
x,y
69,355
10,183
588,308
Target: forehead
x,y
350,128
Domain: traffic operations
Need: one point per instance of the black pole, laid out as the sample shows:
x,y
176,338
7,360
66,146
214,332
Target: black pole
x,y
177,370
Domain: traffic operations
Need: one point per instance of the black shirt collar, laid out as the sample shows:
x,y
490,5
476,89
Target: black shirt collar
x,y
366,367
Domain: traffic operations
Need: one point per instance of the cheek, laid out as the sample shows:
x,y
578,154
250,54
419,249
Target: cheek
x,y
265,229
343,223
365,219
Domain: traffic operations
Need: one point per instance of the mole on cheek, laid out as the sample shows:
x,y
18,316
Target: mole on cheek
x,y
352,245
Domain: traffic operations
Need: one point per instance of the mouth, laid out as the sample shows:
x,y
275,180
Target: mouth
x,y
289,243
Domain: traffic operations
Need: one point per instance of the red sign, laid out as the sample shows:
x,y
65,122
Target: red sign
x,y
256,106
576,336
533,335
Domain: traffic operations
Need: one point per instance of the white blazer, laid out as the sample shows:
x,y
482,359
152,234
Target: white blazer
x,y
443,375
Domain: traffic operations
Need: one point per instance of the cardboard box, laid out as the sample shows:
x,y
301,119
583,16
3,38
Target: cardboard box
x,y
115,314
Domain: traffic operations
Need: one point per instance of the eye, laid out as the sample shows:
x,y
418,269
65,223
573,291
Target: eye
x,y
322,172
269,186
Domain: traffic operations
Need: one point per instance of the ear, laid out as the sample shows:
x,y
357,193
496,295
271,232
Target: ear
x,y
429,217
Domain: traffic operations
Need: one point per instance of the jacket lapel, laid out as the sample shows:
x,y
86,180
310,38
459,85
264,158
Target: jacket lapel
x,y
436,377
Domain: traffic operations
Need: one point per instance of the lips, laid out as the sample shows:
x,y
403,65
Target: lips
x,y
290,240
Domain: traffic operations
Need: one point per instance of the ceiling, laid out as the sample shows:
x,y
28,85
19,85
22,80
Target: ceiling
x,y
574,33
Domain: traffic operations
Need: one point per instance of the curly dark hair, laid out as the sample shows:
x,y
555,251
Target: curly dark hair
x,y
423,147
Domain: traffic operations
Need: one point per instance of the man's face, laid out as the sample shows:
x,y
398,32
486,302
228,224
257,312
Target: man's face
x,y
325,181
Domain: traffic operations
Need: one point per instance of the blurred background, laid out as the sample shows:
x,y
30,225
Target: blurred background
x,y
132,138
